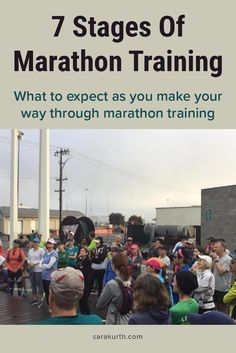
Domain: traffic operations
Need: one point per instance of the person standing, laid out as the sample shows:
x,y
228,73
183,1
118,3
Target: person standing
x,y
49,265
92,244
151,302
99,261
221,271
84,265
137,261
230,297
1,249
35,256
72,251
109,273
66,290
63,256
206,284
112,297
163,255
184,285
4,282
15,260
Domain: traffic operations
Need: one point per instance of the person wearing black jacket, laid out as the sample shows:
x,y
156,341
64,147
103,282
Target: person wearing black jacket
x,y
98,258
84,265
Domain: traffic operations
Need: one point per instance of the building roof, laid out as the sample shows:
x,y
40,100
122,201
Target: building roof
x,y
177,207
33,213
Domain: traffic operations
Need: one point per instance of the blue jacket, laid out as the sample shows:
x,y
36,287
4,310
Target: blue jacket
x,y
109,274
46,274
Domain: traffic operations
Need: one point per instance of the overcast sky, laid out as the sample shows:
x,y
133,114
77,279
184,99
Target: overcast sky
x,y
127,171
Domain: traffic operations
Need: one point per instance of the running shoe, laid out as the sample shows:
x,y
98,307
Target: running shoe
x,y
40,302
34,302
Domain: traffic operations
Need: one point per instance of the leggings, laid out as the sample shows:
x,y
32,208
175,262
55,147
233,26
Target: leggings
x,y
46,286
37,283
97,275
15,277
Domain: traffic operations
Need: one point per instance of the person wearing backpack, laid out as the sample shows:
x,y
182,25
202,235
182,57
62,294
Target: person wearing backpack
x,y
117,295
15,260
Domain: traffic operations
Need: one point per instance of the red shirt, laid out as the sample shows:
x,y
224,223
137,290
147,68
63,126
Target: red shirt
x,y
15,259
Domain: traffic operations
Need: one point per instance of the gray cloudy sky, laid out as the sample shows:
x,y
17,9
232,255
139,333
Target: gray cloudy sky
x,y
127,171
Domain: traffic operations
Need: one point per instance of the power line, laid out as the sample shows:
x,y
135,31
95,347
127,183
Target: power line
x,y
108,167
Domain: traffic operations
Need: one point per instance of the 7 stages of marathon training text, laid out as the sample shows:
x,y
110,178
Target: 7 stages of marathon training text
x,y
179,111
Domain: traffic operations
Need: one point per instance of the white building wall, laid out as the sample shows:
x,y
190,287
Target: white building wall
x,y
178,215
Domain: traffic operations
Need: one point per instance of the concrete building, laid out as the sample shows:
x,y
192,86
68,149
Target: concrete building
x,y
218,216
189,215
28,219
186,218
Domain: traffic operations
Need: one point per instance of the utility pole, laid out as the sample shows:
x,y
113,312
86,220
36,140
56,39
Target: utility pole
x,y
19,138
60,153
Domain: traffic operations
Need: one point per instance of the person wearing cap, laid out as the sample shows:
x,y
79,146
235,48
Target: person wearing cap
x,y
230,297
66,290
99,262
4,281
155,266
137,261
184,285
221,271
206,284
128,245
15,260
41,242
35,256
210,318
49,265
197,251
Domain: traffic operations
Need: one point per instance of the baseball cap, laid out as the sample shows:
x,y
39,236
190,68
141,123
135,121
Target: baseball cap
x,y
190,241
67,282
16,241
207,258
36,240
129,238
154,262
233,256
134,246
210,318
52,241
2,259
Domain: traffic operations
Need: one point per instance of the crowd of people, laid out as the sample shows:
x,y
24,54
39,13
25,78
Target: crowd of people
x,y
187,285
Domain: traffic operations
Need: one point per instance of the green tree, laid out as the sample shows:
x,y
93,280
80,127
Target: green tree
x,y
135,220
116,219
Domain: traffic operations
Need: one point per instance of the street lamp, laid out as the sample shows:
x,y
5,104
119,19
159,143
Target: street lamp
x,y
86,202
19,137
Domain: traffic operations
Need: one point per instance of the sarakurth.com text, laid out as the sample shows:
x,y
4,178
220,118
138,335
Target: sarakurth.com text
x,y
119,336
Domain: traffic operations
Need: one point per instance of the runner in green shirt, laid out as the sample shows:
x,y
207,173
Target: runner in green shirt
x,y
63,256
184,284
